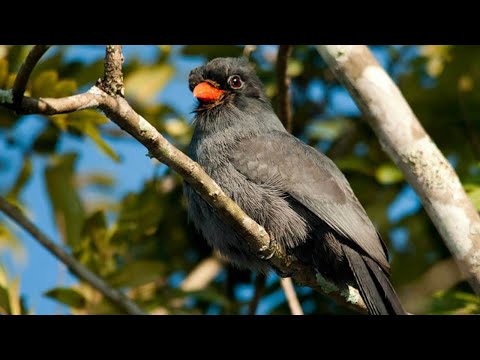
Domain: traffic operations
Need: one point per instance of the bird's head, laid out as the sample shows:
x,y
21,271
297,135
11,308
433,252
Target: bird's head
x,y
225,81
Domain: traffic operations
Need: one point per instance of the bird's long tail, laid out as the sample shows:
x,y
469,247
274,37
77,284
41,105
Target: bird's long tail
x,y
374,285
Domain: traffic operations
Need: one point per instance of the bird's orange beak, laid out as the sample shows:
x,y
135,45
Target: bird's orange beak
x,y
206,92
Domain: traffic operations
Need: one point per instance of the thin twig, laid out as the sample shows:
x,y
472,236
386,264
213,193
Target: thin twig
x,y
25,71
248,50
292,299
116,297
283,84
202,274
259,289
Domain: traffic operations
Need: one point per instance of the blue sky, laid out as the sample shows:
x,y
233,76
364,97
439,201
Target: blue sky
x,y
40,271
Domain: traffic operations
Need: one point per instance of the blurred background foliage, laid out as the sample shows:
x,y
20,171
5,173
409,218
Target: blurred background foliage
x,y
123,215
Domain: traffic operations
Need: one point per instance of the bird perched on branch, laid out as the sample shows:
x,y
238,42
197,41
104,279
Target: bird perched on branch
x,y
295,192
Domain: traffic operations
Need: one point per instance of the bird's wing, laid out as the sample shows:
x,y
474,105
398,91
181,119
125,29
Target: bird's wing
x,y
313,180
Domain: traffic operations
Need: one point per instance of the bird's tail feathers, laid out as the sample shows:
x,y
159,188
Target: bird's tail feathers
x,y
374,285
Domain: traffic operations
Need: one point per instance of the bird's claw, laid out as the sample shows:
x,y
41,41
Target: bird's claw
x,y
268,251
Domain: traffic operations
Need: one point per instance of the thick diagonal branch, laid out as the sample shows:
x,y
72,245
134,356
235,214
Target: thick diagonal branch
x,y
413,151
25,71
75,267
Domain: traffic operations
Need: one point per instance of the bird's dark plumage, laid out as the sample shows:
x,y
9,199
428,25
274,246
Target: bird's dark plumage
x,y
295,192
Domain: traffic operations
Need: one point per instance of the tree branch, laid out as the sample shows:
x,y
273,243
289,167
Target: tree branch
x,y
202,274
283,84
121,113
292,299
248,50
413,151
259,289
25,71
112,82
75,267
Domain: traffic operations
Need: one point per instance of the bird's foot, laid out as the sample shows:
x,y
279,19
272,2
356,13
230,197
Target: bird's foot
x,y
268,251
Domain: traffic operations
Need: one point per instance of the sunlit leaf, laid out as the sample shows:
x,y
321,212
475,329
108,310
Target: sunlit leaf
x,y
143,84
67,206
3,72
96,179
87,122
353,163
60,121
454,302
43,85
94,134
14,298
438,56
137,273
9,241
465,83
388,174
176,128
295,68
329,129
21,180
67,296
65,88
473,192
4,300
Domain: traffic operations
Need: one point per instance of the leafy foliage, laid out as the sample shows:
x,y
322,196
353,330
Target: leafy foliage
x,y
140,241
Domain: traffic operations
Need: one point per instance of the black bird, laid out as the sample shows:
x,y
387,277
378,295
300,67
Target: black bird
x,y
295,192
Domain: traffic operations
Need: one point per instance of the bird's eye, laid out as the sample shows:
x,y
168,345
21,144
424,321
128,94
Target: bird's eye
x,y
235,82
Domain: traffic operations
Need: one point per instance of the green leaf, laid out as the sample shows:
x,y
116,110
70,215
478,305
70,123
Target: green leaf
x,y
9,241
96,179
95,227
329,129
94,134
354,163
86,116
67,296
87,122
47,140
3,72
14,298
143,84
66,203
137,273
473,192
388,174
294,68
211,295
454,302
43,85
22,179
95,250
4,301
65,88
